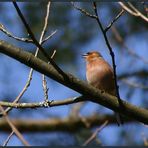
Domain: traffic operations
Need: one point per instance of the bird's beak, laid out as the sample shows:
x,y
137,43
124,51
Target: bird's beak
x,y
84,55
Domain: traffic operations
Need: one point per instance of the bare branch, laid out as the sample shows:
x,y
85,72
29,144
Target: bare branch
x,y
89,91
49,37
19,135
45,89
114,20
111,53
27,40
83,11
44,82
36,42
94,135
66,124
8,138
43,104
36,53
136,12
127,9
109,47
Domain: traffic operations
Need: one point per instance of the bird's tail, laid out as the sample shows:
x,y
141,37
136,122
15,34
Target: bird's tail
x,y
119,119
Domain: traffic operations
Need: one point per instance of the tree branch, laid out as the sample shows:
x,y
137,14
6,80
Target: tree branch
x,y
89,91
43,104
133,11
8,138
36,42
83,11
114,20
13,128
94,135
27,40
60,124
112,56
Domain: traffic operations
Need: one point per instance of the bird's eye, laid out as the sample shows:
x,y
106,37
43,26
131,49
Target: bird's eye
x,y
88,53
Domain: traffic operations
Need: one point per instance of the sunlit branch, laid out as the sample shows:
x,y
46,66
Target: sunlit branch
x,y
133,11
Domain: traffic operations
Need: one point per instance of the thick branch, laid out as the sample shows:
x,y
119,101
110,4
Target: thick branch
x,y
105,99
57,124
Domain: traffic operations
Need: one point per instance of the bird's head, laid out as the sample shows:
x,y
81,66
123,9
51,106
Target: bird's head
x,y
92,55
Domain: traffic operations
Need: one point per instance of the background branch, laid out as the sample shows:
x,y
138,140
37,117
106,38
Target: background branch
x,y
13,127
94,135
67,124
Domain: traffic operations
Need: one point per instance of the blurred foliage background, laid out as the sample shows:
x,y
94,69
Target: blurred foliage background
x,y
77,34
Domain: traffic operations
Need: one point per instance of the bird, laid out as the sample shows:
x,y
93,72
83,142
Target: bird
x,y
100,74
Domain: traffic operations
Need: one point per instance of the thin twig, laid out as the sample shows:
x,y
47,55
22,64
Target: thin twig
x,y
8,139
114,20
19,135
27,40
127,9
94,135
44,82
49,37
134,12
36,42
7,110
45,89
83,11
